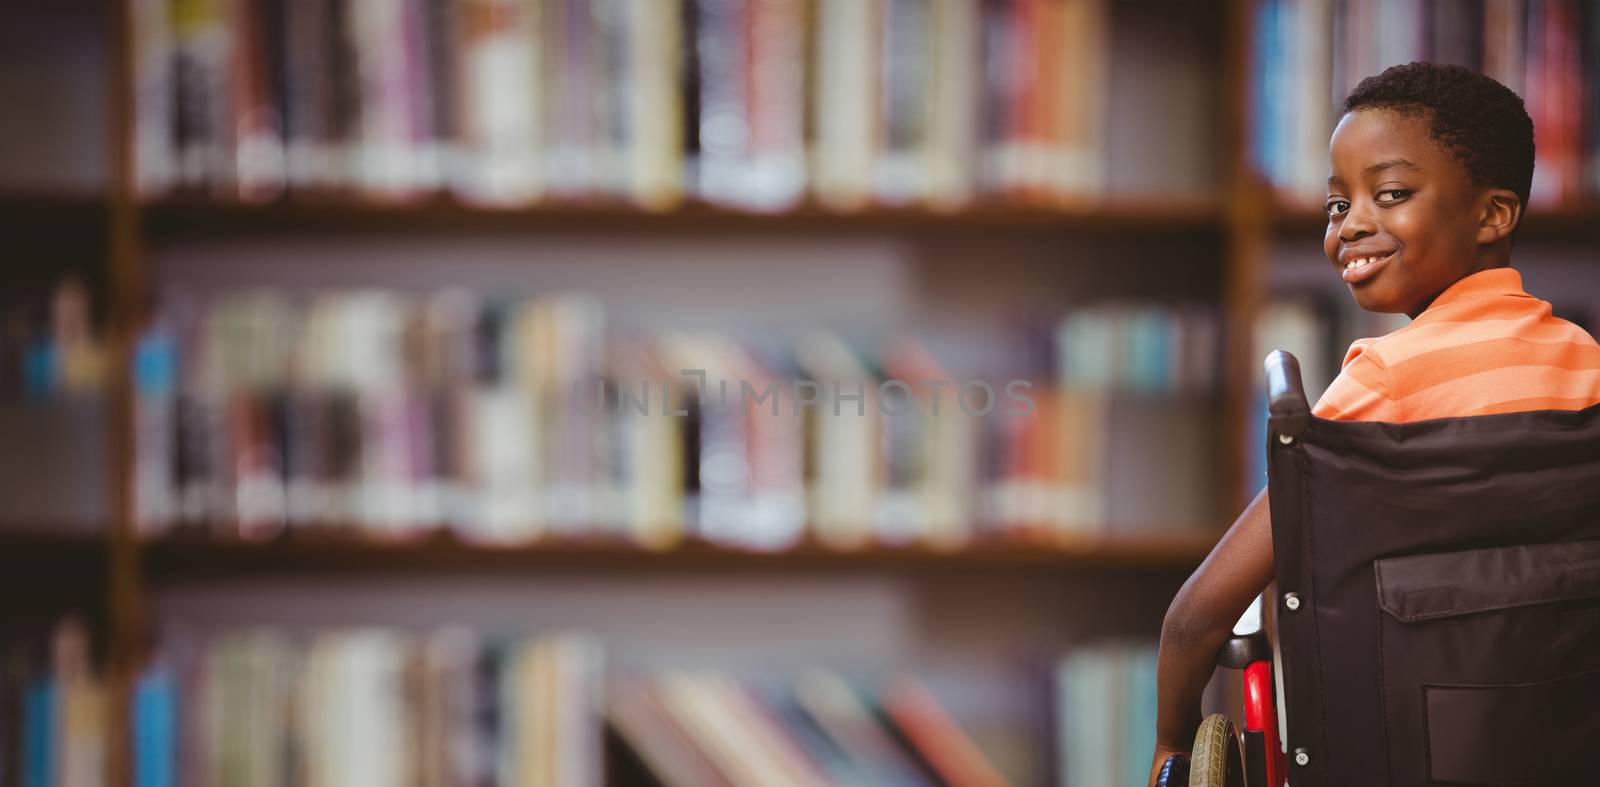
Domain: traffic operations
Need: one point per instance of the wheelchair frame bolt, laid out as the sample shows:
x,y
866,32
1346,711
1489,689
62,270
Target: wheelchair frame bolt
x,y
1302,757
1291,601
1286,438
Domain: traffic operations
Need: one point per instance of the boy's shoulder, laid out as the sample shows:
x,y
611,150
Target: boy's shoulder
x,y
1468,356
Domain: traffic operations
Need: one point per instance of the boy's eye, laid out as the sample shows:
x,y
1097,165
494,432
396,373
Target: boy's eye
x,y
1390,196
1335,207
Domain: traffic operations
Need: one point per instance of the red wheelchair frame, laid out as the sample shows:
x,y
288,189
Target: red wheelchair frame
x,y
1248,648
1256,758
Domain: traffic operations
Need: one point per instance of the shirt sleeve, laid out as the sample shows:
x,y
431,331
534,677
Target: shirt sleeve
x,y
1362,391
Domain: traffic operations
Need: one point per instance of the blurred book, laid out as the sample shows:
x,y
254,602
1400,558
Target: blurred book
x,y
51,346
54,708
447,707
757,104
55,408
507,421
368,706
1106,715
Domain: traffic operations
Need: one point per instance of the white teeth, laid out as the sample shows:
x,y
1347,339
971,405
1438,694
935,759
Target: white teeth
x,y
1362,262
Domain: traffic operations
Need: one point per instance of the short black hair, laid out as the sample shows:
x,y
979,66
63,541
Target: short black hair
x,y
1480,121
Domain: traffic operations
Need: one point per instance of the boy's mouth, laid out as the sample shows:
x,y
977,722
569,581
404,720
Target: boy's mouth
x,y
1359,268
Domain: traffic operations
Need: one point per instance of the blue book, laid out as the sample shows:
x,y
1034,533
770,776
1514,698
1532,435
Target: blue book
x,y
1282,97
38,733
1087,690
1158,349
154,721
1138,713
155,364
39,361
1264,87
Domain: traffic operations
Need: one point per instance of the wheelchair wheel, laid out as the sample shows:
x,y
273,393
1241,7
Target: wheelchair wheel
x,y
1217,759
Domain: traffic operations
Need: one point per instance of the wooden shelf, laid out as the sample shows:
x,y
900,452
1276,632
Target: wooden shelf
x,y
28,549
1565,224
53,202
200,558
43,572
179,216
48,233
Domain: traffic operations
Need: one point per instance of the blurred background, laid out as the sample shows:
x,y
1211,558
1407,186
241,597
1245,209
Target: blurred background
x,y
361,371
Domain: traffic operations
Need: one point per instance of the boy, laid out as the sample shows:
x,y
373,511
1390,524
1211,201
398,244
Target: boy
x,y
1430,171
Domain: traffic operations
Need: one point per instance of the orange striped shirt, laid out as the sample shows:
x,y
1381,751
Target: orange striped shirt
x,y
1483,346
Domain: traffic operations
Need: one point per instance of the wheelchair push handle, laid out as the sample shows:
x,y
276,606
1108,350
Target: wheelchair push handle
x,y
1286,395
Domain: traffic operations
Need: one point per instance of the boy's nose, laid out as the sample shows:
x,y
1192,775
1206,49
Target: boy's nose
x,y
1359,222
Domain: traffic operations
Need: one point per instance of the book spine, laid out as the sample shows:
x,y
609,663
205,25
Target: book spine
x,y
954,68
347,94
260,125
154,57
1504,38
200,72
155,382
613,81
571,131
386,157
1567,82
307,83
847,80
902,100
654,148
720,43
1312,119
440,49
502,83
39,733
774,104
1539,98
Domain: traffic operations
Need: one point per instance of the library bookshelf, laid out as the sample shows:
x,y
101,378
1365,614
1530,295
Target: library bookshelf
x,y
1236,227
128,571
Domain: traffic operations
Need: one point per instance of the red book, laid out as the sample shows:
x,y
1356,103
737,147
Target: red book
x,y
937,738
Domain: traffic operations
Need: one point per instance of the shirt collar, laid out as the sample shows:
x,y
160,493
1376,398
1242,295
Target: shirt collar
x,y
1494,281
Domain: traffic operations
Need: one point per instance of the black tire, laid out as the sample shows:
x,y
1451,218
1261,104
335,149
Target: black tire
x,y
1217,760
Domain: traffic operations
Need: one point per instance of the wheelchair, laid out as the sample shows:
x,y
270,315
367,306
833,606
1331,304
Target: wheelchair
x,y
1437,602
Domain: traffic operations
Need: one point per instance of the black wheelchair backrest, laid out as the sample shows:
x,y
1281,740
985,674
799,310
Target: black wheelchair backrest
x,y
1438,594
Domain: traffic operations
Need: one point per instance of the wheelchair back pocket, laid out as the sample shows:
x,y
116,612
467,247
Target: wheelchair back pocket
x,y
1490,664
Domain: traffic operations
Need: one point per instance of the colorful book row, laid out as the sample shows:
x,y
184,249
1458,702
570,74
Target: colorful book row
x,y
754,103
381,707
49,347
54,709
510,420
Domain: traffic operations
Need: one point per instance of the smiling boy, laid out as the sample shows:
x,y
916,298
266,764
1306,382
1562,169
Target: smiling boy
x,y
1430,168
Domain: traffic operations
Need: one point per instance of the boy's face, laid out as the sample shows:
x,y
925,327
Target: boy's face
x,y
1398,198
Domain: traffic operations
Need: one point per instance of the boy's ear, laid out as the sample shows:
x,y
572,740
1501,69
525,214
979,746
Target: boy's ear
x,y
1499,212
